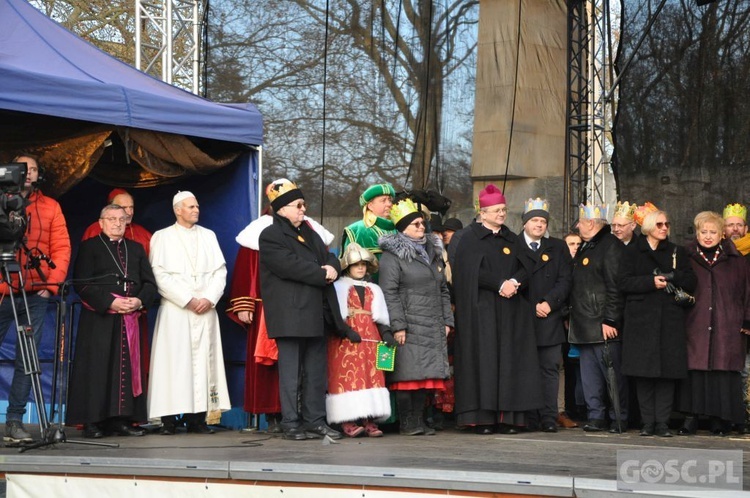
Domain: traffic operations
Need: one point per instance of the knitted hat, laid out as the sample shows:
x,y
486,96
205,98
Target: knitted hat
x,y
281,192
453,224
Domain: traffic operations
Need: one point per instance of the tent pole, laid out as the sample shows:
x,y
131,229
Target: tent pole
x,y
260,180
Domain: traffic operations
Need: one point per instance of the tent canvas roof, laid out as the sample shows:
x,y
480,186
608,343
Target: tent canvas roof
x,y
47,70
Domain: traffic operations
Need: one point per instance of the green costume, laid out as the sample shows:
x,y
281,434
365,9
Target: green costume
x,y
366,236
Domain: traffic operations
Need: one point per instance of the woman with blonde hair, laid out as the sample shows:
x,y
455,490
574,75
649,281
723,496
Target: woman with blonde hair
x,y
716,329
654,350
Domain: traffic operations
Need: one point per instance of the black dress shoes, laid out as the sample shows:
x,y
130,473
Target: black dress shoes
x,y
92,431
201,428
595,426
507,429
294,434
483,430
549,427
167,429
662,430
123,428
321,431
647,430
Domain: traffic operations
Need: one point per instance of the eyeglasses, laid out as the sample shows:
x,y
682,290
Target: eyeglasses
x,y
299,205
662,224
618,226
112,219
496,210
417,224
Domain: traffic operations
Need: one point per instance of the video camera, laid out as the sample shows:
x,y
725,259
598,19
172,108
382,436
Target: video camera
x,y
435,202
13,218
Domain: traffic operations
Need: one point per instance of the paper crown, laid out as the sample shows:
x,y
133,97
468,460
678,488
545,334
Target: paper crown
x,y
281,192
593,212
625,210
643,211
536,205
735,210
403,209
374,191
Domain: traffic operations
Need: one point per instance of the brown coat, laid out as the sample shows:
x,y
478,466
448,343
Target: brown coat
x,y
722,308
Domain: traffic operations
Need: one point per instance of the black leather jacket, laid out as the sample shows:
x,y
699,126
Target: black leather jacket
x,y
595,298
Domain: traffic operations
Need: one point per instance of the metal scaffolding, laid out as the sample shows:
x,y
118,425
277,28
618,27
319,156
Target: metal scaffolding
x,y
591,109
168,38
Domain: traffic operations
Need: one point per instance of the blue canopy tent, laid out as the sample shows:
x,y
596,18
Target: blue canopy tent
x,y
96,123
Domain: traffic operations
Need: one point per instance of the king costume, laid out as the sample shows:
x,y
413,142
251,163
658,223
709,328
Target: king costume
x,y
187,365
106,381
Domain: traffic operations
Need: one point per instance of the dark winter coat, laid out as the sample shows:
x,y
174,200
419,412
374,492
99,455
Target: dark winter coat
x,y
495,360
722,308
549,269
654,339
418,302
292,279
595,297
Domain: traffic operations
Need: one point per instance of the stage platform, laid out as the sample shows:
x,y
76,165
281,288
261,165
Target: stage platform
x,y
455,463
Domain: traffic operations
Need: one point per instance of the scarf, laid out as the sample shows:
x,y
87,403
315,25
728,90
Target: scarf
x,y
419,245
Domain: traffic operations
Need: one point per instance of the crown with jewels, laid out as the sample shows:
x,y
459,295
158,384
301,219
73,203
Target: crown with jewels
x,y
593,211
625,210
536,204
735,210
401,209
643,211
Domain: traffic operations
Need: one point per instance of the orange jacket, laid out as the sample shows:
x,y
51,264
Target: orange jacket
x,y
47,232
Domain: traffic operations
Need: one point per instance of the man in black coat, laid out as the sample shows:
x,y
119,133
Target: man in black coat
x,y
115,282
295,269
596,308
548,264
495,361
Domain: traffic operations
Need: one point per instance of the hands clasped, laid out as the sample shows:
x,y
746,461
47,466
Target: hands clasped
x,y
199,306
126,305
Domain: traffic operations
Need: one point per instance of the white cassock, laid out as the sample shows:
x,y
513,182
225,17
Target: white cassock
x,y
187,365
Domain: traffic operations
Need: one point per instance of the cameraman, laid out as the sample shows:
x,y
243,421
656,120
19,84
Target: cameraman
x,y
49,243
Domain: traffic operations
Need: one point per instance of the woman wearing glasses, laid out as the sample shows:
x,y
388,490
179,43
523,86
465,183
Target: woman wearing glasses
x,y
654,345
416,294
716,329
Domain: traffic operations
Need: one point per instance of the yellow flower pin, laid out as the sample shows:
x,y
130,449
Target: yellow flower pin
x,y
506,250
545,257
585,261
301,239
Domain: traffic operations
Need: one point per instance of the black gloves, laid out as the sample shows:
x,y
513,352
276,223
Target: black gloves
x,y
388,338
668,276
352,335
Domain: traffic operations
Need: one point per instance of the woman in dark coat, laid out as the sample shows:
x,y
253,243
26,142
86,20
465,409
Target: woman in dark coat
x,y
654,349
416,293
716,329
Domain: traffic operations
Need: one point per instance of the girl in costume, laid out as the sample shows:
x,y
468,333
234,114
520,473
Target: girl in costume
x,y
357,396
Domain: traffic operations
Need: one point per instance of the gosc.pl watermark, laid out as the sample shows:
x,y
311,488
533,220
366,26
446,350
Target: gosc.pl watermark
x,y
679,469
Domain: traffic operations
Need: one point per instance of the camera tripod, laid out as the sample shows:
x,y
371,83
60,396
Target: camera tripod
x,y
30,357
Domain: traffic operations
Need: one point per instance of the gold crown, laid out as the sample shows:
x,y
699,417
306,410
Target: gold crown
x,y
279,187
401,209
735,210
625,210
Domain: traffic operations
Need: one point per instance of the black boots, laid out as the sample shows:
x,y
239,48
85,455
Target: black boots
x,y
410,411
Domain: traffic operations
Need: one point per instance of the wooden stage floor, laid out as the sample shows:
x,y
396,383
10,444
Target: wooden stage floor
x,y
527,463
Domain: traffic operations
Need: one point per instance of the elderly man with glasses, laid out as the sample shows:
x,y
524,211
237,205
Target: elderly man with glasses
x,y
115,283
296,268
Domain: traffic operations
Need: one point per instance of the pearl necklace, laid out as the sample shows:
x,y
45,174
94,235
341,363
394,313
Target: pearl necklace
x,y
716,255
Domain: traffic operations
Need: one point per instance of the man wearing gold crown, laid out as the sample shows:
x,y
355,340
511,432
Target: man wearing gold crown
x,y
735,226
376,203
596,308
623,223
548,263
496,368
296,268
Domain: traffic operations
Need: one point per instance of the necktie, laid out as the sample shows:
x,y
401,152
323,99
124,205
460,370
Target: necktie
x,y
534,246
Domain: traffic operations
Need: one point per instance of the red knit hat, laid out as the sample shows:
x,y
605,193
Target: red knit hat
x,y
490,196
